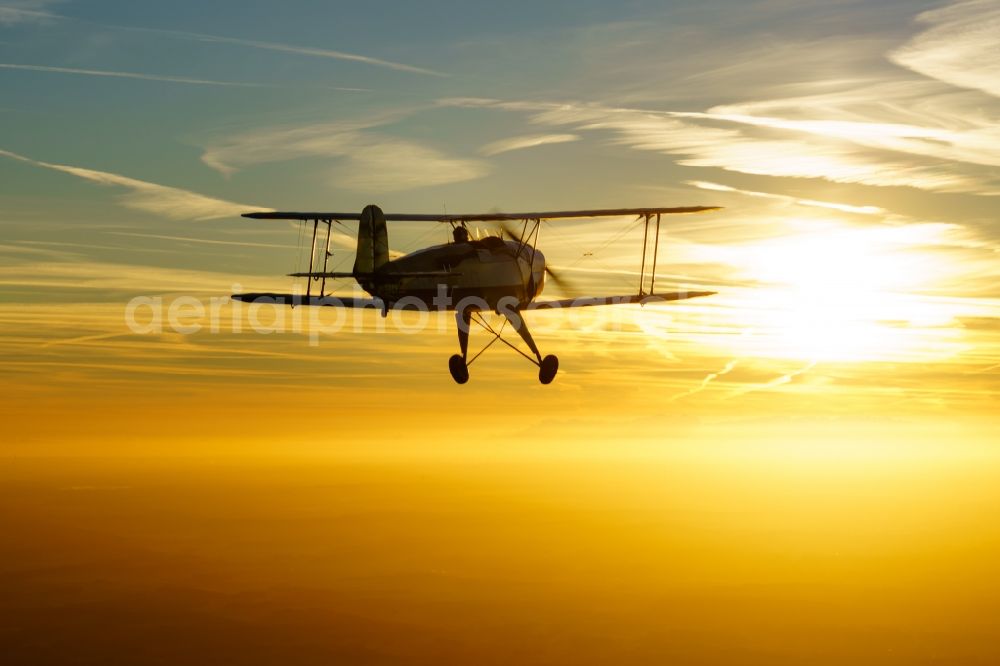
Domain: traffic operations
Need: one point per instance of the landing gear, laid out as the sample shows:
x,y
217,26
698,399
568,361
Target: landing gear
x,y
547,369
459,370
459,364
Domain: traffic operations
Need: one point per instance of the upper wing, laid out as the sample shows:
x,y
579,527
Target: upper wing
x,y
589,301
482,217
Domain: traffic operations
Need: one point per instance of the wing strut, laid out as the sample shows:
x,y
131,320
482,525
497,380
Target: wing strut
x,y
326,258
312,256
648,218
311,276
645,239
656,249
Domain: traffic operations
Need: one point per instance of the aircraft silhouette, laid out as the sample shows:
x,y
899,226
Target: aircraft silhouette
x,y
469,277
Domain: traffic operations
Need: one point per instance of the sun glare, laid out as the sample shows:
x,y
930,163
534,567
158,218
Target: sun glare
x,y
847,294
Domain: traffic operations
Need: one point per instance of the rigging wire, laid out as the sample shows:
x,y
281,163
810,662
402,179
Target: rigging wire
x,y
343,255
590,254
413,243
628,227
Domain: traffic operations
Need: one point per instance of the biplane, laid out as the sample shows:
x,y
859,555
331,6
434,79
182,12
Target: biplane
x,y
503,273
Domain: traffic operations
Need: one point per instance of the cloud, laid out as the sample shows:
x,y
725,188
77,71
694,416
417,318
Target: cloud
x,y
337,238
115,277
370,161
278,144
297,50
527,141
774,383
170,202
126,75
960,47
381,164
708,379
204,241
26,11
816,103
844,208
832,150
977,145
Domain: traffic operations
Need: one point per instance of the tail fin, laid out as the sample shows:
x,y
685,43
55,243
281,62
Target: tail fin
x,y
373,241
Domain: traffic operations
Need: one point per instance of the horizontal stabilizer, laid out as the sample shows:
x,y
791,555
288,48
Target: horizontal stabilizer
x,y
296,300
590,301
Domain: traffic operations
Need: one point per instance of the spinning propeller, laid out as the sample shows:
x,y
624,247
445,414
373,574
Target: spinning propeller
x,y
555,276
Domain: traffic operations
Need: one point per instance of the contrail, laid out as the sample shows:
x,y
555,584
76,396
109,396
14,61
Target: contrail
x,y
832,205
709,378
127,75
288,48
783,379
171,202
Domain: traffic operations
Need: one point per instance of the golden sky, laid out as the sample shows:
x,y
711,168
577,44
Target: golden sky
x,y
800,469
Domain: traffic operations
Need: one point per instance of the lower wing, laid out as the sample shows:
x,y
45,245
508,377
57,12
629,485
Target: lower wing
x,y
378,304
299,299
590,301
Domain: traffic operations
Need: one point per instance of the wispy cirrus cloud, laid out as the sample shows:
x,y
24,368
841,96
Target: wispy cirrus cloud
x,y
832,205
26,11
292,49
975,145
959,47
229,154
774,383
526,141
115,277
34,11
170,202
390,164
336,237
837,151
708,379
367,160
125,75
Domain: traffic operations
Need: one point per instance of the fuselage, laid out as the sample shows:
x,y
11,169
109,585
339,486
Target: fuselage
x,y
492,269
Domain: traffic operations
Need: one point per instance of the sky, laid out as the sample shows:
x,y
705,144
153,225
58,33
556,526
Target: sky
x,y
852,144
799,469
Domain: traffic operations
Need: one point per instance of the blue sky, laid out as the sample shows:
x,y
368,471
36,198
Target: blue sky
x,y
286,68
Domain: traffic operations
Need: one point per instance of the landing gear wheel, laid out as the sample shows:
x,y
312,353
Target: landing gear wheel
x,y
547,369
459,370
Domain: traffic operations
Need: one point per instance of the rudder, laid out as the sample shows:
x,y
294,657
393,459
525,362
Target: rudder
x,y
373,241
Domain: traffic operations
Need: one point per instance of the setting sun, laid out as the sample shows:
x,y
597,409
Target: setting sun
x,y
845,293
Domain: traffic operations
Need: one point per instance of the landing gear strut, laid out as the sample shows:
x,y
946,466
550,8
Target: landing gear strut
x,y
459,364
